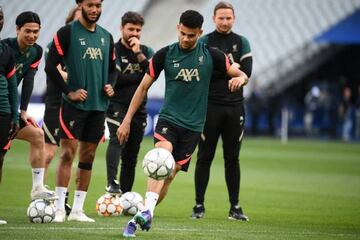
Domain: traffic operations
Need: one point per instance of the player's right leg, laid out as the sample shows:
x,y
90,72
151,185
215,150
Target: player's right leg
x,y
35,136
63,175
71,122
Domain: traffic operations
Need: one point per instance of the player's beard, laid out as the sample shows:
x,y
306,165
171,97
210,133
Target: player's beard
x,y
85,16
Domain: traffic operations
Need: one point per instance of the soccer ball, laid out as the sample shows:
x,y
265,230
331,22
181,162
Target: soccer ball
x,y
158,163
108,205
129,202
41,211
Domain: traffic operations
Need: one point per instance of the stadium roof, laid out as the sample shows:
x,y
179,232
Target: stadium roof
x,y
344,32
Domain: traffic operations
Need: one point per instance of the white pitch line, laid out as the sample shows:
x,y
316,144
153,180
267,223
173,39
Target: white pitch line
x,y
180,229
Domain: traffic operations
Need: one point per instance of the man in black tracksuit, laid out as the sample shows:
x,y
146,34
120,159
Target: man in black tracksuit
x,y
133,63
225,115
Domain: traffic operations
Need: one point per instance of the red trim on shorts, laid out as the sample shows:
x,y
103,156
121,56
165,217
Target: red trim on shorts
x,y
227,62
29,122
63,126
11,73
184,161
7,146
35,64
159,137
58,46
151,68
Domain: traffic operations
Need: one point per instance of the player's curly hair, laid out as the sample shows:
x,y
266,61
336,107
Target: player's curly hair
x,y
27,17
132,17
191,19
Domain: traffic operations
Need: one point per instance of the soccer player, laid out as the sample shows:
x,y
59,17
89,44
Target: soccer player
x,y
133,62
27,56
225,115
87,50
51,123
9,119
188,65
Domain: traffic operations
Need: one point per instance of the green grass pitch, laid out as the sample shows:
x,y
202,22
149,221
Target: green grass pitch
x,y
303,190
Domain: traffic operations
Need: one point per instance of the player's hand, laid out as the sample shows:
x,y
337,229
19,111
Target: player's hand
x,y
23,116
14,128
109,90
236,83
134,43
123,132
79,95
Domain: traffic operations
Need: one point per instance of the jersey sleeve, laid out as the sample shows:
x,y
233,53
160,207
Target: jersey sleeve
x,y
220,60
246,57
112,63
57,51
156,63
12,86
149,52
36,62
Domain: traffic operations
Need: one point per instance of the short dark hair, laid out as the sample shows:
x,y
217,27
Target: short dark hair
x,y
191,19
27,17
132,17
222,5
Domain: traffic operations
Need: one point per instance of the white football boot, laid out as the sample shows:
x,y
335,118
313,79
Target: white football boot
x,y
3,222
41,192
79,216
59,216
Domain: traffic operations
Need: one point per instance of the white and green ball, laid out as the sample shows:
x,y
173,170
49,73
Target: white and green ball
x,y
158,163
41,211
129,202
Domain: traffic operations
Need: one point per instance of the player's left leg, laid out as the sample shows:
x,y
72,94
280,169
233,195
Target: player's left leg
x,y
232,137
92,132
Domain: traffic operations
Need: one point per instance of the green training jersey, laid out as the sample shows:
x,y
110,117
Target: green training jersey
x,y
187,78
87,56
30,59
8,84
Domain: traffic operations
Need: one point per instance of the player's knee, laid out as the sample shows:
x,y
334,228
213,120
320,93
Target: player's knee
x,y
48,158
87,156
67,155
37,137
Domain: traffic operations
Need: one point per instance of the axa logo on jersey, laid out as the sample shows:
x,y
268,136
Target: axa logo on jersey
x,y
188,75
93,53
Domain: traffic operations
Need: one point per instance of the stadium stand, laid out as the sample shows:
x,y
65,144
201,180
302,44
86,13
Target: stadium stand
x,y
282,32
